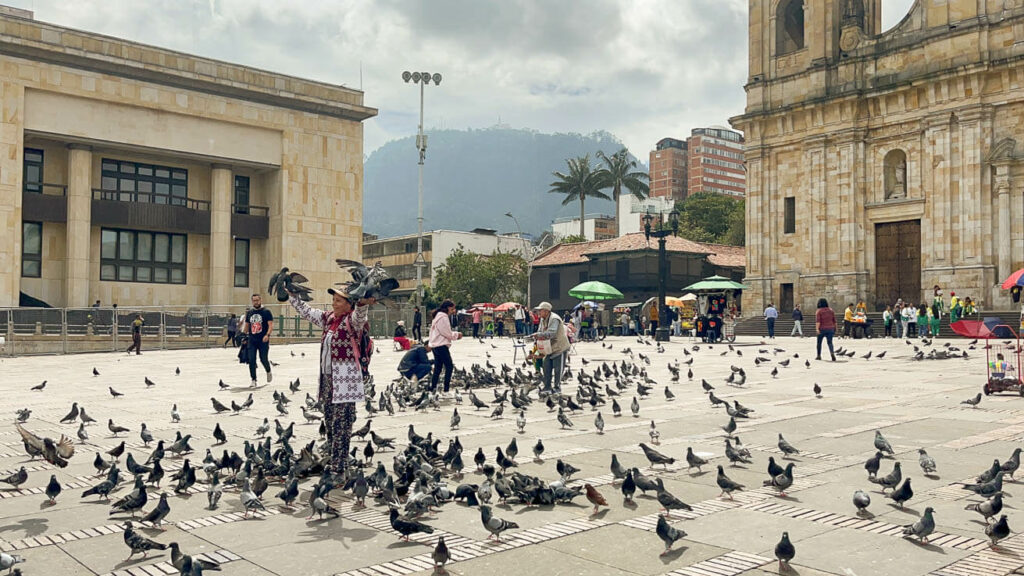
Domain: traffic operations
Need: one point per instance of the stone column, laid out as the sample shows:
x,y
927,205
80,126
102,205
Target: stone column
x,y
1004,236
79,227
221,246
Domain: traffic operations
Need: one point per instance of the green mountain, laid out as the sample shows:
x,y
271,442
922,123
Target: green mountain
x,y
471,178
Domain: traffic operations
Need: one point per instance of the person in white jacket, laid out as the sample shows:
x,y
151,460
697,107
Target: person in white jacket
x,y
441,338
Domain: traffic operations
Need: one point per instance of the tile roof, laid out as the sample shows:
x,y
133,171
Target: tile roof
x,y
562,254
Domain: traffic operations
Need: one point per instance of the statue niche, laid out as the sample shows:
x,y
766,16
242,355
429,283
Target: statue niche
x,y
895,175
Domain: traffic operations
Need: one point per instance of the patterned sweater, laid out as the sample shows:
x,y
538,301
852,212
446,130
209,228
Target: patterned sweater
x,y
339,349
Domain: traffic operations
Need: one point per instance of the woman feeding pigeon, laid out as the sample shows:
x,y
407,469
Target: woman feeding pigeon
x,y
341,369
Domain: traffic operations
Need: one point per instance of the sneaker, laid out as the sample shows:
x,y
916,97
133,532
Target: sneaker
x,y
270,377
254,384
833,357
818,358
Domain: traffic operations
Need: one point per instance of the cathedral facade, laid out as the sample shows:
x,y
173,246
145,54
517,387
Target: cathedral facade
x,y
881,164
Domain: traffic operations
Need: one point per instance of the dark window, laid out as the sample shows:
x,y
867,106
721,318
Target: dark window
x,y
135,256
789,224
241,263
242,198
32,171
621,270
134,182
32,249
554,285
789,26
584,276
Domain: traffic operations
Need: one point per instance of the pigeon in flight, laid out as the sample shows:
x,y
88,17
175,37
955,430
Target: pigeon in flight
x,y
367,282
285,282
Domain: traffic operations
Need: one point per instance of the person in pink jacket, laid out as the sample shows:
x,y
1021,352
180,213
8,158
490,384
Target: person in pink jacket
x,y
441,338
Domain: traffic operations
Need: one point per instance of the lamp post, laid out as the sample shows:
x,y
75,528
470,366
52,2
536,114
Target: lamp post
x,y
529,259
421,78
663,332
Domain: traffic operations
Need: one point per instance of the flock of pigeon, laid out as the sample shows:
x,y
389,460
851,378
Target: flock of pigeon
x,y
424,476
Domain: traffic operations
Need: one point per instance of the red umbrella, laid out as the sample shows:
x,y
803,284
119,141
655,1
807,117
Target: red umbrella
x,y
484,305
971,329
506,307
1015,279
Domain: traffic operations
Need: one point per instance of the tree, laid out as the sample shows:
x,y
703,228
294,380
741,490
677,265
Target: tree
x,y
712,217
468,278
582,182
574,239
620,172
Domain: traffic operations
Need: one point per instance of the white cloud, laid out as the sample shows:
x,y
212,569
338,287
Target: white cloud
x,y
641,70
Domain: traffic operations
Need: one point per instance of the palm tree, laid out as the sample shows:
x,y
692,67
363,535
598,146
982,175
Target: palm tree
x,y
620,172
580,183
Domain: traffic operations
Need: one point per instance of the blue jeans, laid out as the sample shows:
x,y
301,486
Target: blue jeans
x,y
519,327
771,327
826,335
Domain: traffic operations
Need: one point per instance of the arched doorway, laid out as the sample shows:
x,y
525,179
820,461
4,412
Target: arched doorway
x,y
897,262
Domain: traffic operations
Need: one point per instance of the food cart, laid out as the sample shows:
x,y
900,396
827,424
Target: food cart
x,y
716,298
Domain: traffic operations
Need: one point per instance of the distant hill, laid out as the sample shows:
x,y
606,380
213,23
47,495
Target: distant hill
x,y
473,177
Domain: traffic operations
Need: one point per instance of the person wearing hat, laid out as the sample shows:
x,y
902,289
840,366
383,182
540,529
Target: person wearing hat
x,y
400,337
440,341
552,329
343,361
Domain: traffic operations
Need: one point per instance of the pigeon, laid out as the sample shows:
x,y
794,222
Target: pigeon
x,y
782,481
927,462
923,527
667,533
149,383
861,500
512,450
565,470
16,479
668,501
440,556
116,451
493,524
53,489
599,423
873,464
694,461
175,415
55,452
367,282
594,497
634,407
669,395
114,428
653,433
987,488
730,427
973,402
95,372
319,506
139,543
784,550
284,283
405,527
989,474
185,563
218,407
786,448
890,480
902,494
39,387
727,485
113,392
997,531
988,508
222,385
538,449
290,491
7,562
219,435
521,422
817,390
733,455
23,414
1012,463
72,415
85,418
155,517
655,457
881,444
250,501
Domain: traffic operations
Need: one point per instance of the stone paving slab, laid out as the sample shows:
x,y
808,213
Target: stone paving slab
x,y
904,399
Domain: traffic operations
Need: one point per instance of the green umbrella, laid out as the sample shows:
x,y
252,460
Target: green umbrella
x,y
716,283
595,290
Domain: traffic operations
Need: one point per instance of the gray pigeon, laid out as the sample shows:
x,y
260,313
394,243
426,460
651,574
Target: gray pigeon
x,y
139,543
902,494
927,462
784,550
997,531
861,500
16,479
786,448
727,485
53,489
7,561
989,488
881,444
890,480
923,527
285,282
1012,463
694,461
250,501
156,516
367,282
783,481
988,508
973,402
667,533
493,524
440,555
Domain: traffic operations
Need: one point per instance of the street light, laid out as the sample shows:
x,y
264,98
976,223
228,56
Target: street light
x,y
421,78
662,333
529,259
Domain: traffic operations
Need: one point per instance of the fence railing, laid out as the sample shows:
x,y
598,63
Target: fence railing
x,y
26,331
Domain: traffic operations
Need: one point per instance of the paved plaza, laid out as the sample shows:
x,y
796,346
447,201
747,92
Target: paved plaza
x,y
915,404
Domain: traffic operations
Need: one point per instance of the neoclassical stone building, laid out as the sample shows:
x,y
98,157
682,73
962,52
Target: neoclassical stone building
x,y
881,164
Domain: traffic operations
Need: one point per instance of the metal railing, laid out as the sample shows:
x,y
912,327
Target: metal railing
x,y
30,331
251,210
46,189
150,198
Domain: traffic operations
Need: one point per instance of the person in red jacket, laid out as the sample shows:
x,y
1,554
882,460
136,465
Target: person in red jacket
x,y
825,324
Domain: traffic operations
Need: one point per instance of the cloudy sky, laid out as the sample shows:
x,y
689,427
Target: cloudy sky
x,y
641,69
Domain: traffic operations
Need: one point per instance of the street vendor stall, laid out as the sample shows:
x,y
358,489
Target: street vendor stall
x,y
716,299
